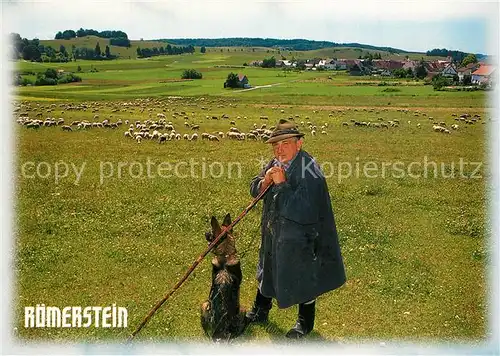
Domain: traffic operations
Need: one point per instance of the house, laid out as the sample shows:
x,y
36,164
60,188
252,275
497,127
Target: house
x,y
386,64
339,64
409,64
243,81
449,71
467,70
483,74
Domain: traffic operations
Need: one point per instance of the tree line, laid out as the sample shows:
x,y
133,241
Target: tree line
x,y
158,51
117,38
293,44
456,56
33,50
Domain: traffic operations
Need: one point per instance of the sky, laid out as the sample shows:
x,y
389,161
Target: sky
x,y
468,26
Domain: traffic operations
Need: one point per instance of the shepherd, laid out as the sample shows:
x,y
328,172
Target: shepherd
x,y
299,257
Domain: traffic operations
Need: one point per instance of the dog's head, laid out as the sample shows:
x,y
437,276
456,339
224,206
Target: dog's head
x,y
225,248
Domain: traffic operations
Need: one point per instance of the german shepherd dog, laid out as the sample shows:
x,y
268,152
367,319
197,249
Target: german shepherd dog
x,y
221,317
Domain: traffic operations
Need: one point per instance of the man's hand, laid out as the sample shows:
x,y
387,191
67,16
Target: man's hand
x,y
278,175
273,175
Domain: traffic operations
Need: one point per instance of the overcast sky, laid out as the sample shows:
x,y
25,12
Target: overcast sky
x,y
469,26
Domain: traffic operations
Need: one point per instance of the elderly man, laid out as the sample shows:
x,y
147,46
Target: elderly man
x,y
299,257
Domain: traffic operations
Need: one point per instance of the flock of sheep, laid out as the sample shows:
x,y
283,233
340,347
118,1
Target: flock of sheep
x,y
157,128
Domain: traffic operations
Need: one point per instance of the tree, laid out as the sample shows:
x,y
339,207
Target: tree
x,y
269,62
80,33
108,53
232,81
420,71
51,73
59,36
191,74
467,80
203,49
471,58
31,53
139,52
97,50
62,49
439,81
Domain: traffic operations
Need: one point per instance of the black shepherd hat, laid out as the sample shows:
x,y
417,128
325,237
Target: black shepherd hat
x,y
285,129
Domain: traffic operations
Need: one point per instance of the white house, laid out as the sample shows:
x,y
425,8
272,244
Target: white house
x,y
449,71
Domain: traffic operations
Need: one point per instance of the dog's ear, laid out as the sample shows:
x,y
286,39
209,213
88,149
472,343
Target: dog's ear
x,y
227,220
215,226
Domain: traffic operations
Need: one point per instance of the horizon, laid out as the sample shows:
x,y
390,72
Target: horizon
x,y
470,27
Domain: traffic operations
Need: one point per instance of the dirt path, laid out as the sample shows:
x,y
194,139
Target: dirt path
x,y
259,86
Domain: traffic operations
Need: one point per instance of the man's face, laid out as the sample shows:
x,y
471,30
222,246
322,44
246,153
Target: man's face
x,y
285,150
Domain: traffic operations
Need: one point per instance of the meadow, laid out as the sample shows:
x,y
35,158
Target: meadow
x,y
415,249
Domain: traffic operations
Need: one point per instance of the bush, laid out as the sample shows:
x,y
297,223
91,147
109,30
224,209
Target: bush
x,y
42,80
439,81
69,78
191,74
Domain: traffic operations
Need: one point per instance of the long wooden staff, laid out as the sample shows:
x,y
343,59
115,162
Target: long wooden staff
x,y
198,260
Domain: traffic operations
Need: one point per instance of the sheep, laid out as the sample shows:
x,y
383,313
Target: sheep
x,y
66,128
418,125
185,137
251,136
232,122
313,133
195,127
213,138
138,139
324,132
126,134
233,135
454,127
194,137
162,138
178,137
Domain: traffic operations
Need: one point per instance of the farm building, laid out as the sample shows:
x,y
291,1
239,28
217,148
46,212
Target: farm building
x,y
483,74
243,81
467,70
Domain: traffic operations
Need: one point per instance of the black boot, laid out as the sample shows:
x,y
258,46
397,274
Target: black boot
x,y
260,309
305,321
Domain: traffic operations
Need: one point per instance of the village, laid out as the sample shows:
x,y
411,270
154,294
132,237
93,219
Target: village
x,y
478,73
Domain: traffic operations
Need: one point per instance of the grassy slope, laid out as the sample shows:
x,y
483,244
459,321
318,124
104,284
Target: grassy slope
x,y
123,52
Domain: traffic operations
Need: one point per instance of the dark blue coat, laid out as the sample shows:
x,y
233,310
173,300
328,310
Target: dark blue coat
x,y
299,257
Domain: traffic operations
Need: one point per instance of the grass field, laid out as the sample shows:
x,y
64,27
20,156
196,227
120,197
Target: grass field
x,y
415,249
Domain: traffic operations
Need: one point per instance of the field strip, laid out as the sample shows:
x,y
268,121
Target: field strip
x,y
336,107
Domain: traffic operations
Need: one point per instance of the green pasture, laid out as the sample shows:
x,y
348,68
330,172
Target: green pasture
x,y
160,76
415,249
